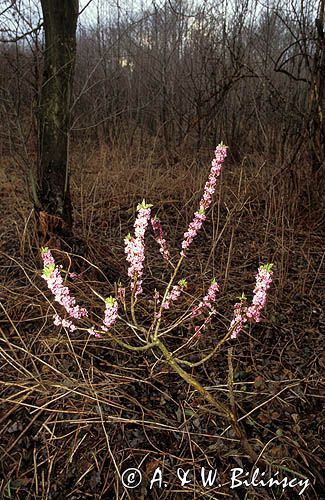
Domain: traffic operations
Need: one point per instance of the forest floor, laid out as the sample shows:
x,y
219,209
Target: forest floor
x,y
77,411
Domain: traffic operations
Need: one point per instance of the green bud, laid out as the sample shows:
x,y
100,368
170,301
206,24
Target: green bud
x,y
110,301
47,271
143,205
242,298
267,267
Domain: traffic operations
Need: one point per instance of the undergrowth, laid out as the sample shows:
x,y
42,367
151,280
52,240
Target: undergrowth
x,y
77,411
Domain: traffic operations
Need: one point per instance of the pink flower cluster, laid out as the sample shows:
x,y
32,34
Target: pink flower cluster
x,y
174,293
66,323
253,313
206,322
239,320
135,248
207,300
263,283
47,257
209,189
111,311
210,185
159,237
52,275
121,294
193,229
206,304
92,331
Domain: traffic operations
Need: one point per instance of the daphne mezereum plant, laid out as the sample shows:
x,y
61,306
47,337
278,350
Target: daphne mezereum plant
x,y
121,311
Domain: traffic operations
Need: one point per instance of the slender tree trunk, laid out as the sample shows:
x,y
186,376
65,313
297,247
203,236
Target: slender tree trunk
x,y
60,24
317,96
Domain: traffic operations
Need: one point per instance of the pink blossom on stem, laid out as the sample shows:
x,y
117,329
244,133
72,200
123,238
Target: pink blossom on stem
x,y
74,276
66,323
55,283
174,293
253,313
263,283
47,257
156,298
121,294
206,200
193,229
135,248
207,300
239,319
142,220
206,322
159,237
92,331
111,311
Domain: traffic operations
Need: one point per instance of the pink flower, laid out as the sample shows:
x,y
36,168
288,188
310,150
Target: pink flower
x,y
206,322
111,310
263,283
206,200
193,229
159,237
135,248
239,320
174,293
206,305
47,257
74,276
142,220
52,275
207,300
253,313
66,323
121,294
91,331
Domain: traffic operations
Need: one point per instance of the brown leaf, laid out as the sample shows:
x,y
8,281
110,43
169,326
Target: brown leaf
x,y
152,465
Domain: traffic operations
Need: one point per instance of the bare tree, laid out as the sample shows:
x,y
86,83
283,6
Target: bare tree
x,y
317,95
184,73
60,23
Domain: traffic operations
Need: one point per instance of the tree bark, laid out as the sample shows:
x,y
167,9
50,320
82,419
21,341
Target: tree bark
x,y
60,24
317,96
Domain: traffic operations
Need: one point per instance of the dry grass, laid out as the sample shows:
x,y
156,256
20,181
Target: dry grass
x,y
76,412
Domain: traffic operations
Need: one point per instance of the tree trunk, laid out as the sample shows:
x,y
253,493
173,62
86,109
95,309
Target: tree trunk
x,y
317,96
60,24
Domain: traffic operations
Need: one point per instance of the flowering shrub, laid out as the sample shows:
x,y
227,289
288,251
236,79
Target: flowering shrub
x,y
152,337
135,256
